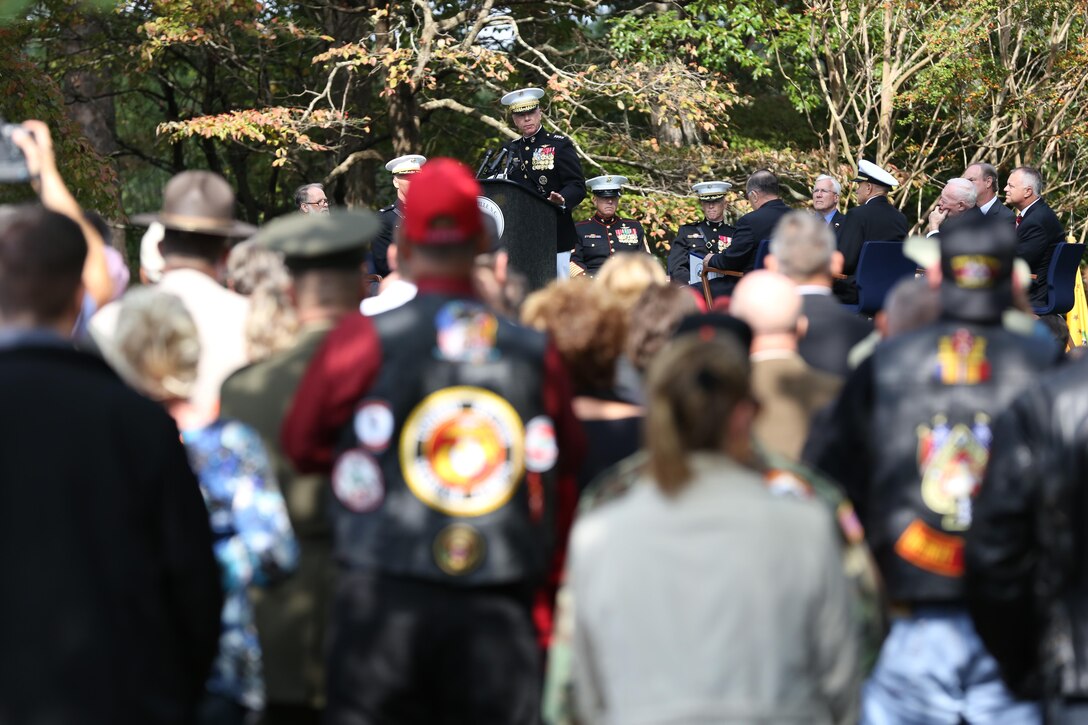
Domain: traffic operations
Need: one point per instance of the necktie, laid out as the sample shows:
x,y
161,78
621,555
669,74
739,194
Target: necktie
x,y
1019,216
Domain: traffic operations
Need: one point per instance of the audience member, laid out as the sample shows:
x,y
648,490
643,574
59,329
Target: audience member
x,y
627,276
111,612
198,220
589,331
909,439
157,347
788,391
324,256
666,628
1025,552
653,321
448,413
803,249
249,264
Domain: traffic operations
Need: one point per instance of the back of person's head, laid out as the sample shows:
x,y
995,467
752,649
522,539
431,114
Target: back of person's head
x,y
588,328
156,347
41,266
442,218
911,304
763,182
802,245
272,322
653,320
626,276
1058,328
249,264
768,302
693,389
207,248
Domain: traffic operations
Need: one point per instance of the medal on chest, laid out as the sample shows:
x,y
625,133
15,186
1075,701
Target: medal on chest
x,y
626,235
544,158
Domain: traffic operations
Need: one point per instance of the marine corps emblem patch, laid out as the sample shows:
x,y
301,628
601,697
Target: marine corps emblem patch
x,y
462,451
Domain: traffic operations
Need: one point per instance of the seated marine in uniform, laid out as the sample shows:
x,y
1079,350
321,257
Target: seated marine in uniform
x,y
711,235
605,233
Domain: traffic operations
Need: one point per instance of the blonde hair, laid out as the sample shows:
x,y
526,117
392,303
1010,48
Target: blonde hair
x,y
692,387
156,347
249,264
626,276
271,325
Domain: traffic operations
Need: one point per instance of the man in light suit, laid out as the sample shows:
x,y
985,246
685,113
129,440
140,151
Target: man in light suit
x,y
1038,230
984,177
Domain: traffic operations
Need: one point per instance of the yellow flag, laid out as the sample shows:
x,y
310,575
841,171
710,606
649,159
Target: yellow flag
x,y
1077,318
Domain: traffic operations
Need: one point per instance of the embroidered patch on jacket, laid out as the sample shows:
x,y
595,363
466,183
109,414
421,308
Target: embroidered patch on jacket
x,y
466,333
373,424
541,449
952,461
961,359
458,549
975,271
931,550
462,451
357,481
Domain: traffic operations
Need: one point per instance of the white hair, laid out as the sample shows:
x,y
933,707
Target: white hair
x,y
834,183
965,191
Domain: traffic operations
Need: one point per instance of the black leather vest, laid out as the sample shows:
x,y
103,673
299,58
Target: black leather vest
x,y
937,392
448,468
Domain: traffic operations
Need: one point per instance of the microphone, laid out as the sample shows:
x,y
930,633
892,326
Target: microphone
x,y
503,154
483,164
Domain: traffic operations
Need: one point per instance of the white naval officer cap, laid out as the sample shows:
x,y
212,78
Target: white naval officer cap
x,y
868,171
409,164
711,190
606,186
523,99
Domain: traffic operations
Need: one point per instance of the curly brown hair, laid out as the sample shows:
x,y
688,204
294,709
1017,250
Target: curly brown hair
x,y
588,327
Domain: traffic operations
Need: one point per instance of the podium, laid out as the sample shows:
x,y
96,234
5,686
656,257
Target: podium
x,y
530,225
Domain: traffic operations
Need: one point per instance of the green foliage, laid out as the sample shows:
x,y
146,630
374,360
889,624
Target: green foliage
x,y
28,93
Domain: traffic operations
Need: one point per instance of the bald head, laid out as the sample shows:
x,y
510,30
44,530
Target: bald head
x,y
768,302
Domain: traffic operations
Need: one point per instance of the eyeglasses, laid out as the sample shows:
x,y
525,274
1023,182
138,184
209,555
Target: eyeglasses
x,y
319,202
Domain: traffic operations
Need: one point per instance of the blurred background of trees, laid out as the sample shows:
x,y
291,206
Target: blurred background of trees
x,y
280,93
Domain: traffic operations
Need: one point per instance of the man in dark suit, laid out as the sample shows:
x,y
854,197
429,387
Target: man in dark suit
x,y
1038,230
984,177
825,201
112,599
803,249
874,219
955,208
762,191
546,163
